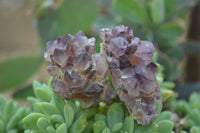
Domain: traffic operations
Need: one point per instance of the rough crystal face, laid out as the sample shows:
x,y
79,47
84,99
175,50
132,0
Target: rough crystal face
x,y
134,79
79,72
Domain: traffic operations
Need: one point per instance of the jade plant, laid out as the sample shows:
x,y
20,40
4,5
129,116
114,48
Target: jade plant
x,y
11,116
52,114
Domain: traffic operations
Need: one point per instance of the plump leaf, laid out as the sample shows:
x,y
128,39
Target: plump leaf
x,y
194,130
165,115
115,115
99,126
58,102
117,127
31,120
9,110
42,124
17,70
57,118
106,130
89,127
157,8
129,124
88,113
69,114
194,101
1,126
165,126
49,109
62,128
159,108
51,129
100,117
33,100
2,103
79,125
146,129
131,10
42,94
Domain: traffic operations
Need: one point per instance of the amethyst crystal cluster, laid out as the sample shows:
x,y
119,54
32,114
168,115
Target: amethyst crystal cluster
x,y
79,72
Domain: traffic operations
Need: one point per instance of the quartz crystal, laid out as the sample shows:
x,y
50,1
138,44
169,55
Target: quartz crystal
x,y
133,72
79,72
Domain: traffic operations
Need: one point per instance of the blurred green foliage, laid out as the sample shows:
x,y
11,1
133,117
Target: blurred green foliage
x,y
153,20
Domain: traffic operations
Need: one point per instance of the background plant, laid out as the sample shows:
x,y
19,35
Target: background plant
x,y
153,20
11,116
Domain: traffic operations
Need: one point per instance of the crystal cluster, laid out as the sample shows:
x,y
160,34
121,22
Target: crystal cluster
x,y
133,72
79,72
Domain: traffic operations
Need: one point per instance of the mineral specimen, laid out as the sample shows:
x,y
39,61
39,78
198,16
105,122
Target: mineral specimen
x,y
133,72
79,72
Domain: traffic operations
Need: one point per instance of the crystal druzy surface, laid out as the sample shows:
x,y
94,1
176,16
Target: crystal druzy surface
x,y
79,72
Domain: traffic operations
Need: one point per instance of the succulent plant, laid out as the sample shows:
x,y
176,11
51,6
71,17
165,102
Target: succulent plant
x,y
79,72
189,110
52,114
11,116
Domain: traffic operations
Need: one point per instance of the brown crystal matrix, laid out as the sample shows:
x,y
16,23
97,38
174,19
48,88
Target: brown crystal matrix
x,y
79,72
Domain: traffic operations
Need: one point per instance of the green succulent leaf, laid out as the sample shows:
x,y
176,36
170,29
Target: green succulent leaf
x,y
62,128
99,126
165,126
9,110
194,101
194,130
146,129
79,125
51,129
2,103
57,118
117,127
106,130
69,114
49,108
165,115
159,108
100,117
42,94
89,127
30,121
129,124
1,126
115,115
42,124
